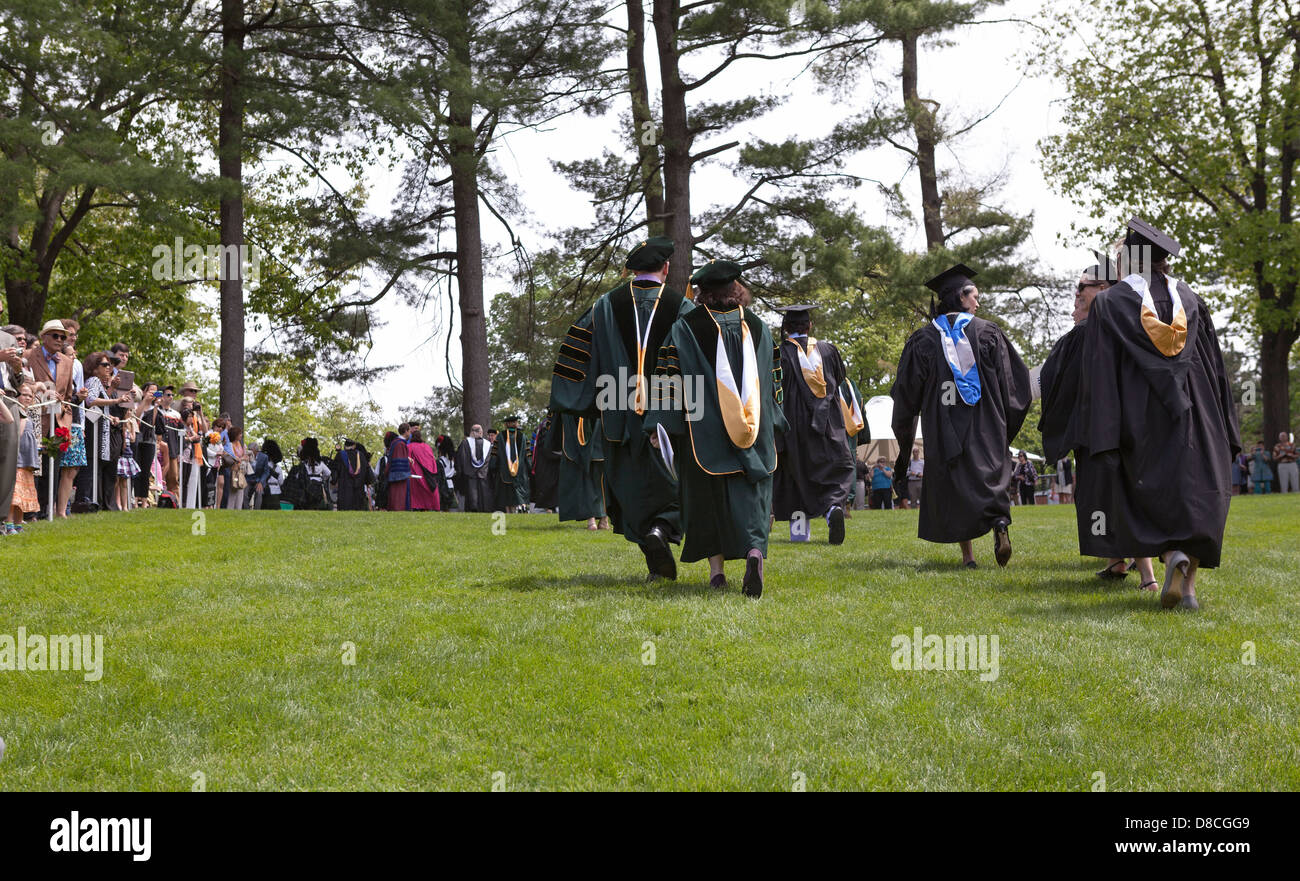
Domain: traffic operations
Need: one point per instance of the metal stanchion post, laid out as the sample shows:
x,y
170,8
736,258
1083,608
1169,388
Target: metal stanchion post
x,y
50,499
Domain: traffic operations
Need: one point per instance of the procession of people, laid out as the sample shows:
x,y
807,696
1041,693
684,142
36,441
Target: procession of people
x,y
732,430
681,418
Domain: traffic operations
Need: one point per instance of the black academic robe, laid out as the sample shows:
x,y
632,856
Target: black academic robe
x,y
1160,431
816,468
593,377
510,487
351,470
967,463
471,481
545,478
1063,422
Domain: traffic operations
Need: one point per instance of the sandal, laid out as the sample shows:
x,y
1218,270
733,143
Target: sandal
x,y
1154,585
1110,573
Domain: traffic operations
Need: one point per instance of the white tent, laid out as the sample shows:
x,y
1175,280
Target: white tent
x,y
879,413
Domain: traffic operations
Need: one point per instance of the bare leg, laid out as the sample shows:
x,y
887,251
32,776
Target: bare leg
x,y
967,552
715,565
66,477
1148,573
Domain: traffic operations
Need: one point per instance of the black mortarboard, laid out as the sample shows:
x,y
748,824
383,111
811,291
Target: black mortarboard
x,y
650,254
511,418
951,280
1142,233
716,272
798,313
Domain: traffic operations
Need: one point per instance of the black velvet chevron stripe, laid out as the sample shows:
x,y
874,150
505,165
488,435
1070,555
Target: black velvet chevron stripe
x,y
564,371
580,356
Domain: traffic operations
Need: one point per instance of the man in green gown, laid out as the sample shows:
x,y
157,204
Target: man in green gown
x,y
510,450
603,374
720,384
582,464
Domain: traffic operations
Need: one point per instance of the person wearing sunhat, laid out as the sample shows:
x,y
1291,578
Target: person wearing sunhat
x,y
1160,425
722,446
510,450
603,373
816,471
965,381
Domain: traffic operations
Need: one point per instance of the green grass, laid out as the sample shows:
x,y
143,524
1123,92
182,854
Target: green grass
x,y
522,654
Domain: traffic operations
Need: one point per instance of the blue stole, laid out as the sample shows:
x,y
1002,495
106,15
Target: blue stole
x,y
960,355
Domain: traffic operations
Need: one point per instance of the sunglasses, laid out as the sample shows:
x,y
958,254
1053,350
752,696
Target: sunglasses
x,y
57,336
103,364
1084,285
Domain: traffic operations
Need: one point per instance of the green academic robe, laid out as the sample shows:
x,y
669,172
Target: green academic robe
x,y
510,490
582,464
726,488
594,377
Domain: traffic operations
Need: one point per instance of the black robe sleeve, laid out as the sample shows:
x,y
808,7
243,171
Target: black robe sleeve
x,y
1061,399
908,392
1101,386
1017,394
1212,357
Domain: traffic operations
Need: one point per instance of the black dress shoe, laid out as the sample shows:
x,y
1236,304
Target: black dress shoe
x,y
658,556
836,522
1001,543
752,586
971,564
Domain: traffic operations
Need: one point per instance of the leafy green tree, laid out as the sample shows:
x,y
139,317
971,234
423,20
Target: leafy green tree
x,y
92,161
1188,112
455,77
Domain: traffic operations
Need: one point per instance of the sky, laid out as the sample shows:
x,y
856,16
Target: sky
x,y
982,73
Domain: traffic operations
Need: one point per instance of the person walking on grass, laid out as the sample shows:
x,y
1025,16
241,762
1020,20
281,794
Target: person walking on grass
x,y
725,450
815,471
1160,426
963,379
612,348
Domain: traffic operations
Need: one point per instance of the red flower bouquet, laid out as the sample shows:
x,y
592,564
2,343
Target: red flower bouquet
x,y
53,445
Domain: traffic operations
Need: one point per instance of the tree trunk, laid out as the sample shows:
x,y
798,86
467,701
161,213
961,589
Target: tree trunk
x,y
676,143
1275,381
24,304
469,243
230,165
921,113
643,127
24,301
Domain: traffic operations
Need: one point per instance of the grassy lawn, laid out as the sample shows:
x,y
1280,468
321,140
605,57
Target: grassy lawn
x,y
519,658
